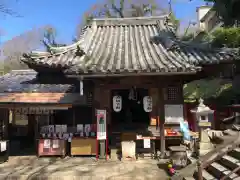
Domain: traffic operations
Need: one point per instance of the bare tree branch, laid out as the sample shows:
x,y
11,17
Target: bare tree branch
x,y
6,10
123,8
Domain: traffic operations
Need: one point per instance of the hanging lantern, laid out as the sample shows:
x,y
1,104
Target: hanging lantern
x,y
117,103
147,103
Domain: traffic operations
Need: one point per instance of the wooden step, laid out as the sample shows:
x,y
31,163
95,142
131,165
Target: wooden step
x,y
207,176
230,162
235,153
219,171
188,178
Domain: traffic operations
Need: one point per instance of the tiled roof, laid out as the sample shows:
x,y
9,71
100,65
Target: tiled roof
x,y
18,87
21,81
127,45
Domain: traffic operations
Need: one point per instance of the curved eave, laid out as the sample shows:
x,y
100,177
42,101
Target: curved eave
x,y
43,68
145,72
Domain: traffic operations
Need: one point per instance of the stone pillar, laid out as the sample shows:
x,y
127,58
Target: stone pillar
x,y
205,144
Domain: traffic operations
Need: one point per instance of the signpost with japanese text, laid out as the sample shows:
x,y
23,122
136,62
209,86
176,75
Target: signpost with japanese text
x,y
102,132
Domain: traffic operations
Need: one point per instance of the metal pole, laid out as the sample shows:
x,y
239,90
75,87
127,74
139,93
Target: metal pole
x,y
102,149
199,163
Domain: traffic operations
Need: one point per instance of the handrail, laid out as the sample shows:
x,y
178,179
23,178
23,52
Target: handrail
x,y
232,146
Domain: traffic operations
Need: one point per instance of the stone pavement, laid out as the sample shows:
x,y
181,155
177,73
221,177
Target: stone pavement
x,y
31,168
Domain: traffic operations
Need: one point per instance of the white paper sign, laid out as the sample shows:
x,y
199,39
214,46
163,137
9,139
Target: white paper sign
x,y
46,143
65,136
51,128
117,103
64,128
174,113
147,143
55,143
69,139
58,128
79,127
3,146
147,103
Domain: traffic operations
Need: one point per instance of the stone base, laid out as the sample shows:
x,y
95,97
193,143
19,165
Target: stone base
x,y
114,154
205,148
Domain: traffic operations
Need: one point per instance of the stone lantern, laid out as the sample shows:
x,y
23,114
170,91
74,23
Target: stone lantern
x,y
202,114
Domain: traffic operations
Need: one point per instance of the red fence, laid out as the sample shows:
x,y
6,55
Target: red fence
x,y
218,114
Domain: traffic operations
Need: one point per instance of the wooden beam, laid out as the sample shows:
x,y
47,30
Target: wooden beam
x,y
162,120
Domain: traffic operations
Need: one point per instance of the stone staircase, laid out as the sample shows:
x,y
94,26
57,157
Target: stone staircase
x,y
222,167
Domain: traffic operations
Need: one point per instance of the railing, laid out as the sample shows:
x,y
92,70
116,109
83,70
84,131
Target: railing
x,y
232,145
227,176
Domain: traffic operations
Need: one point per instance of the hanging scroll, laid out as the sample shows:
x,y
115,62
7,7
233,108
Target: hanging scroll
x,y
147,103
117,103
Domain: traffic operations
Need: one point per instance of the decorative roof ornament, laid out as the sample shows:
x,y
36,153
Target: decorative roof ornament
x,y
79,51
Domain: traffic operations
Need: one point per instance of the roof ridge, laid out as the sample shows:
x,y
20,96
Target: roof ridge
x,y
133,18
146,20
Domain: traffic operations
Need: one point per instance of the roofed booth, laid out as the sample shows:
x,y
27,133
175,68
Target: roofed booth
x,y
134,69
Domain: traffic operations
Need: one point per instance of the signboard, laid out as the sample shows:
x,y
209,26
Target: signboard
x,y
147,103
38,110
3,146
147,143
117,103
173,113
101,125
204,124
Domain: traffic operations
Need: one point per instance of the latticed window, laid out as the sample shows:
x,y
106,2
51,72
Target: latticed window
x,y
173,93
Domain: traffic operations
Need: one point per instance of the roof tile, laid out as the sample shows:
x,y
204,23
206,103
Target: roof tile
x,y
126,45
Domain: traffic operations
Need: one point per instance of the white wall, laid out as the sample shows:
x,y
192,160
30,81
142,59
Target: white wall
x,y
201,12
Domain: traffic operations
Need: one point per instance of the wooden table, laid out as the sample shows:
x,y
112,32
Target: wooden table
x,y
173,137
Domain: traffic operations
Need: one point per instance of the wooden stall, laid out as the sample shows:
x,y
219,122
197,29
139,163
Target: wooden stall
x,y
84,140
83,146
51,147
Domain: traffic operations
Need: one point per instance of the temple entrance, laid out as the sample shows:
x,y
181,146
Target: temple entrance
x,y
132,111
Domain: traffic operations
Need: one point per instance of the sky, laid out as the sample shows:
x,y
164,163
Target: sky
x,y
64,15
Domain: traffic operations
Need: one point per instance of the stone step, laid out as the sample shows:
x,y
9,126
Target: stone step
x,y
230,162
235,153
219,171
188,178
207,176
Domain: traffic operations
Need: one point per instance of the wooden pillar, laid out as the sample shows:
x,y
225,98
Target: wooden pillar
x,y
4,118
31,125
162,120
